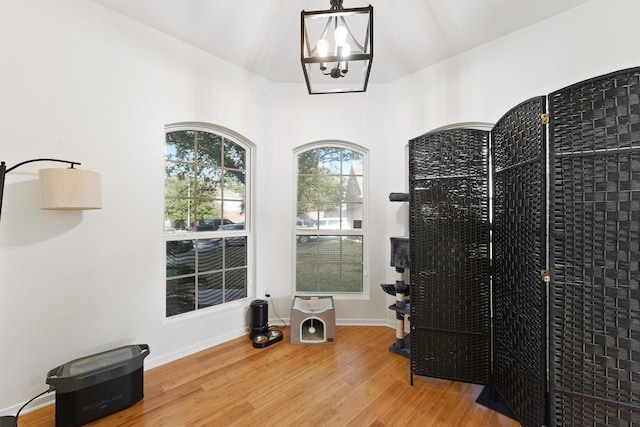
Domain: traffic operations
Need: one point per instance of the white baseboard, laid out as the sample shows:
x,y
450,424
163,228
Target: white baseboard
x,y
154,362
39,403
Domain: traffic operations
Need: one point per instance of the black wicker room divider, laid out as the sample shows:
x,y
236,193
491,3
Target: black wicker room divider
x,y
595,238
581,335
449,245
518,144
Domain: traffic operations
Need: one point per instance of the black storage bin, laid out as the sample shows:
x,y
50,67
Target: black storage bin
x,y
95,386
259,317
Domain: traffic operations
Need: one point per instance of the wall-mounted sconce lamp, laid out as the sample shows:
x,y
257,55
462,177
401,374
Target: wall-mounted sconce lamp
x,y
62,189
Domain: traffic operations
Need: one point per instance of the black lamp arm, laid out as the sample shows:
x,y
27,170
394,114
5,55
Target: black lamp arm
x,y
40,160
4,171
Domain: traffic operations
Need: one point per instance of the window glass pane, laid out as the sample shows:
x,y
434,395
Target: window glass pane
x,y
329,278
351,278
306,238
179,180
351,264
351,251
307,251
352,188
209,254
180,146
234,185
209,290
307,217
234,155
234,196
181,258
233,226
209,149
181,296
235,282
208,218
330,160
329,249
305,222
329,192
179,191
235,251
352,215
352,163
306,276
209,181
308,162
307,195
333,223
179,215
233,212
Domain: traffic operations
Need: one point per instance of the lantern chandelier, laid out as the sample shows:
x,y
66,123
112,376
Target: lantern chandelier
x,y
336,48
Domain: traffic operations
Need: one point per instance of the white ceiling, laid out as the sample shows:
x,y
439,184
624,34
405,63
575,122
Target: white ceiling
x,y
263,36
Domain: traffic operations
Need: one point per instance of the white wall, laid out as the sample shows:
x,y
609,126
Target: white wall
x,y
481,85
344,117
80,82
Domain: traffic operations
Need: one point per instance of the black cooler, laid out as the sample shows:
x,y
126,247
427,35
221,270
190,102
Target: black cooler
x,y
96,386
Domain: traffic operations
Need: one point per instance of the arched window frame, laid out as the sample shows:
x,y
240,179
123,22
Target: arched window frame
x,y
224,236
364,293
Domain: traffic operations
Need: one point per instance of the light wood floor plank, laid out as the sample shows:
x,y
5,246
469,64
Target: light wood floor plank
x,y
355,382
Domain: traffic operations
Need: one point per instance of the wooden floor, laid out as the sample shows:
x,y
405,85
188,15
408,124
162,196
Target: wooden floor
x,y
356,382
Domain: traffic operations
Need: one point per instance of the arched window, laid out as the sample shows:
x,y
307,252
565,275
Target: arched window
x,y
330,218
207,207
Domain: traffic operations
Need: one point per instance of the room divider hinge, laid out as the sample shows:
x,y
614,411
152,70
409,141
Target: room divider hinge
x,y
544,118
546,275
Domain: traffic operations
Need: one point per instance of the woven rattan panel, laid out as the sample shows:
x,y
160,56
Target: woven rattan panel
x,y
449,246
519,229
595,248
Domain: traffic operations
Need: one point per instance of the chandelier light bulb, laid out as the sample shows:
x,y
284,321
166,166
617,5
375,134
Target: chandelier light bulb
x,y
323,47
345,51
344,67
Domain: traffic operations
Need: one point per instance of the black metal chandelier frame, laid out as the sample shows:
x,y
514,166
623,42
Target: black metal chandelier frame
x,y
336,65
